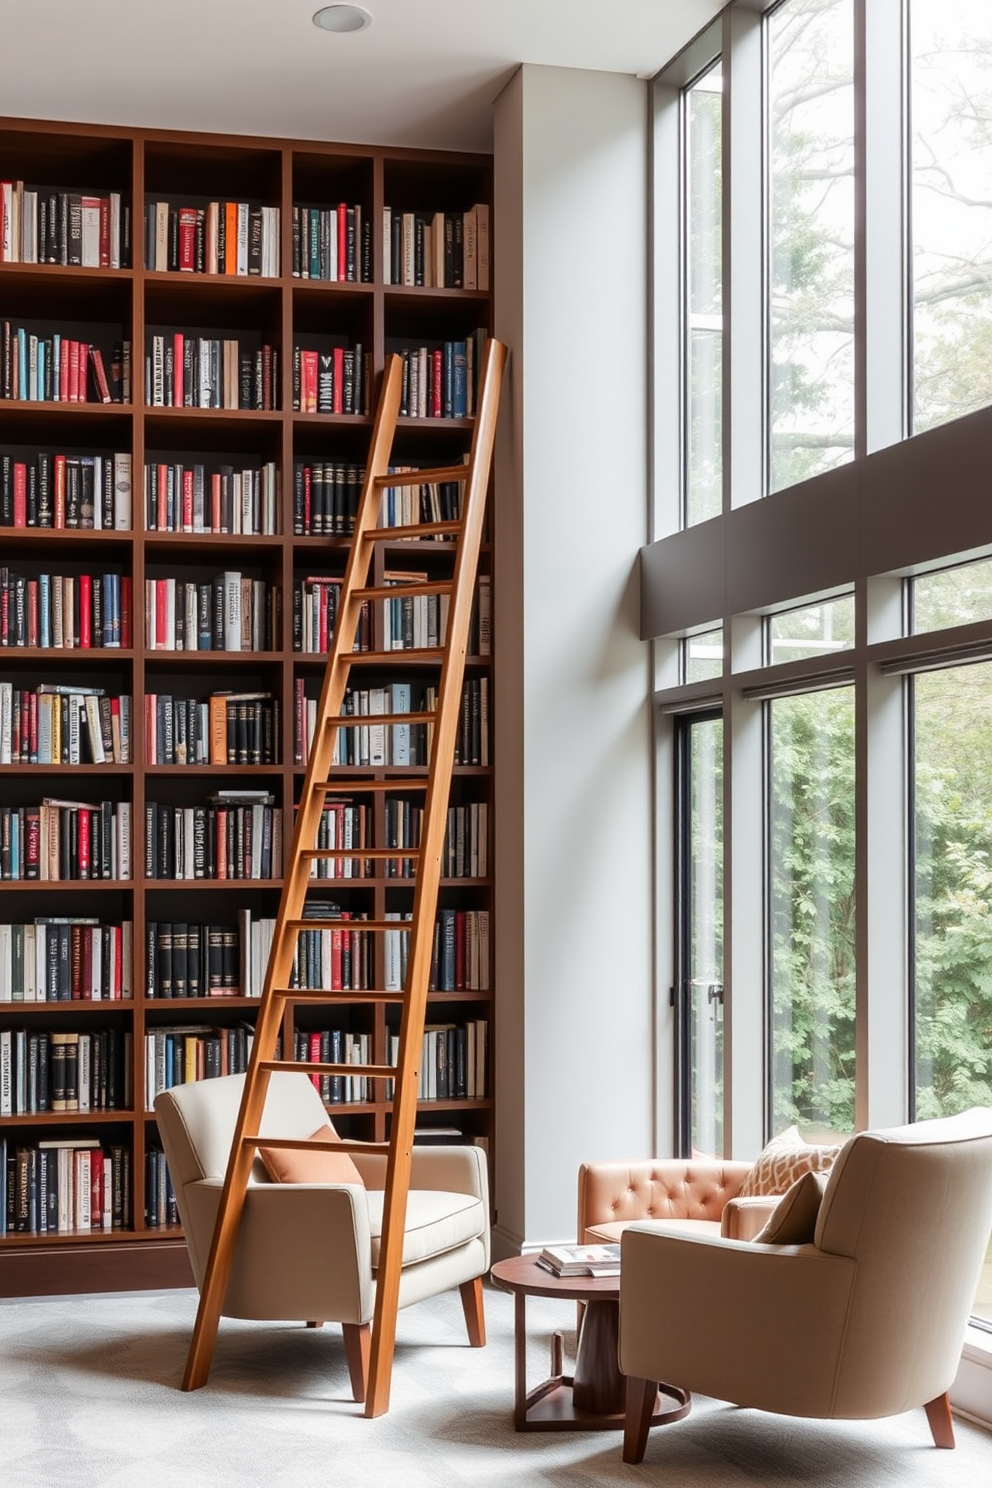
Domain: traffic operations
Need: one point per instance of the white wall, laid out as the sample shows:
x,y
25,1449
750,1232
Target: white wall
x,y
575,1006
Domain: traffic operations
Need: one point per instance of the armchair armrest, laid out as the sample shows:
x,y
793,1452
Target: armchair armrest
x,y
743,1218
762,1325
667,1188
455,1169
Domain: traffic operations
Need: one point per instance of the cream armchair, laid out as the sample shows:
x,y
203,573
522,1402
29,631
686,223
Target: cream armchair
x,y
865,1319
308,1251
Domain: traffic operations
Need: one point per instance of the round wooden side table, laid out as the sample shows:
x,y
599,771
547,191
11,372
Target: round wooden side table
x,y
593,1398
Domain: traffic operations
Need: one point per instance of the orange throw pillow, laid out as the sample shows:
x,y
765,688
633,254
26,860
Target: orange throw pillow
x,y
297,1165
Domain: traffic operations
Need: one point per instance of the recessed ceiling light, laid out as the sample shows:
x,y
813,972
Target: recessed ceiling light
x,y
342,18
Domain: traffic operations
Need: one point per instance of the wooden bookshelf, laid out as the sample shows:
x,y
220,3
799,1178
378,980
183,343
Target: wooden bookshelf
x,y
135,303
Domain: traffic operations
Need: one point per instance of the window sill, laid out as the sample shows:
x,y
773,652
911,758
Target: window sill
x,y
971,1392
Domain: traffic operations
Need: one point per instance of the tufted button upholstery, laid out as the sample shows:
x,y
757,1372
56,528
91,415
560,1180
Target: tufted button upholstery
x,y
618,1193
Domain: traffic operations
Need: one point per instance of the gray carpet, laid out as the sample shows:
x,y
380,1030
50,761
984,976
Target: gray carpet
x,y
88,1386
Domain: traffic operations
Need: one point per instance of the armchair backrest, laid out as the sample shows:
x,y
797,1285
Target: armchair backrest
x,y
912,1206
196,1121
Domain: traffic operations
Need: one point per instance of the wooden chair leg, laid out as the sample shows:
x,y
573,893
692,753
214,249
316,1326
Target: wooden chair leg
x,y
939,1416
472,1307
641,1396
357,1349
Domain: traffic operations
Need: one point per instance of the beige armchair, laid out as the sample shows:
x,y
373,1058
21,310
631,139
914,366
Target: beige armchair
x,y
309,1251
865,1319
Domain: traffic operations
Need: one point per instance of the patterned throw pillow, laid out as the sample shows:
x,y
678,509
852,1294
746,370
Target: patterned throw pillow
x,y
786,1158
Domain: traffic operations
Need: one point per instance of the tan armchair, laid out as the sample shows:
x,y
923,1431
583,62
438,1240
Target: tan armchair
x,y
307,1251
864,1320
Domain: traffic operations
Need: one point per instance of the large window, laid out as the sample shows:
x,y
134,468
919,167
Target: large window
x,y
811,911
704,296
951,208
952,897
811,190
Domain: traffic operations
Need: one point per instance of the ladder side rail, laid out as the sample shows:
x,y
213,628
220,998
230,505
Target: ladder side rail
x,y
448,715
224,1242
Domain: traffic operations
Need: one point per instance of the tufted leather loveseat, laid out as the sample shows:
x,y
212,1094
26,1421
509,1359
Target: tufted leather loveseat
x,y
702,1193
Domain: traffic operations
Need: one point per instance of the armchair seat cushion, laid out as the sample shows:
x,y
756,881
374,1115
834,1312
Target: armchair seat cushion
x,y
436,1222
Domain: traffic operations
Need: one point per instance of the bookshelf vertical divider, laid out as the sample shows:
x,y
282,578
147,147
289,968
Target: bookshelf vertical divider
x,y
54,170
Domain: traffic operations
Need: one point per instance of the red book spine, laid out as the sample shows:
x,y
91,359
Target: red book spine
x,y
20,494
187,239
99,374
178,349
314,1056
339,379
187,501
215,502
336,960
96,1186
64,371
126,610
117,978
161,613
309,382
342,244
74,372
85,610
32,842
84,866
437,380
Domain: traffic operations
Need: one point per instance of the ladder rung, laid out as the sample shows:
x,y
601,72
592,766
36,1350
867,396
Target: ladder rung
x,y
416,529
442,474
376,925
336,994
393,658
369,720
315,1067
305,1144
344,786
402,591
318,853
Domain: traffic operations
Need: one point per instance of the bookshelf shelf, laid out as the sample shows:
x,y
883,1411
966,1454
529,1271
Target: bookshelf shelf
x,y
343,189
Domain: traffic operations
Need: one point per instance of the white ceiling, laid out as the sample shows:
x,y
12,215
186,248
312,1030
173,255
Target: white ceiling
x,y
424,74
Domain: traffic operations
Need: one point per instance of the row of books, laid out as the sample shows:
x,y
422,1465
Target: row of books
x,y
374,745
460,960
65,611
336,960
344,824
181,497
332,243
325,497
184,959
178,1056
453,1061
230,728
335,380
216,237
59,490
237,836
465,853
73,959
438,501
64,1186
231,612
315,613
43,224
56,724
440,381
50,1070
439,250
161,1209
335,1046
59,841
59,368
413,621
183,370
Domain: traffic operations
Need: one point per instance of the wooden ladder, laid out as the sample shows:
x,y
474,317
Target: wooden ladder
x,y
464,539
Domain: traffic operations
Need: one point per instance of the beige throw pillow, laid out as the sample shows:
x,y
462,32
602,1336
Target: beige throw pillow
x,y
786,1158
297,1165
794,1220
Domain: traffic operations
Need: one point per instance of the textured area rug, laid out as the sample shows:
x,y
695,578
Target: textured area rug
x,y
90,1400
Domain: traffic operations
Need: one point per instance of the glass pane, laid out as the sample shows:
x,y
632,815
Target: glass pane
x,y
704,267
812,912
795,635
705,938
811,186
952,596
953,898
703,656
951,208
